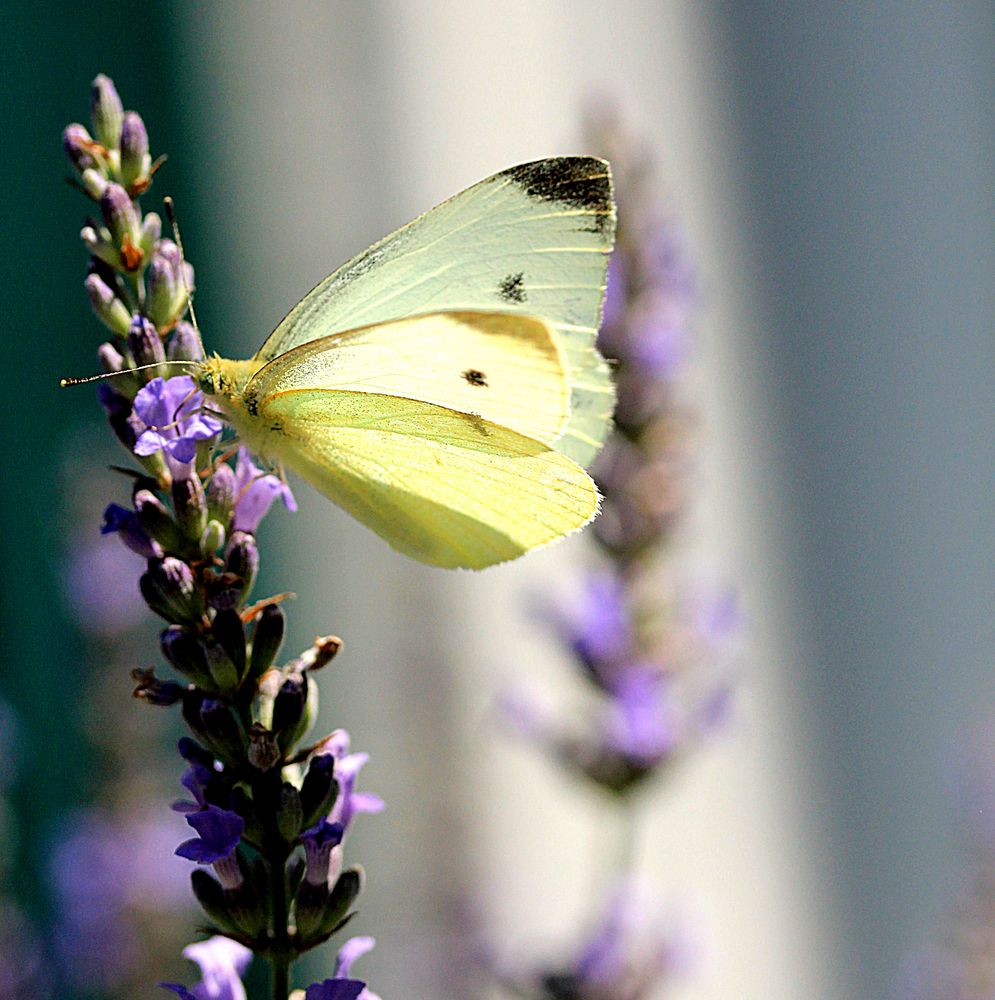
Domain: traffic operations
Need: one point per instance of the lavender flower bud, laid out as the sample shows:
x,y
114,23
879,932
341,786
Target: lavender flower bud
x,y
190,505
245,902
267,638
224,676
224,735
187,654
242,557
135,159
313,894
319,788
109,309
145,344
94,182
321,652
264,753
100,248
106,111
78,145
121,219
289,710
157,520
126,524
211,897
221,493
230,634
224,590
310,901
110,358
288,814
347,888
151,231
170,590
162,291
118,410
155,691
212,539
170,283
184,345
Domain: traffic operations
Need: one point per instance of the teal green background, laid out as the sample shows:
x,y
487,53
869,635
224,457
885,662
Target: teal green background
x,y
51,54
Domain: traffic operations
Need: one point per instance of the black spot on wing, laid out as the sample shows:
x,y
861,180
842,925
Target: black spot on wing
x,y
511,287
577,181
475,377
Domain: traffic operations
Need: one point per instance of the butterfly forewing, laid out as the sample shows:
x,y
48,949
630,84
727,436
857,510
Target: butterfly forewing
x,y
530,240
506,368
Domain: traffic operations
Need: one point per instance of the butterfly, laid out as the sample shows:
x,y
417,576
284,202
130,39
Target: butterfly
x,y
443,386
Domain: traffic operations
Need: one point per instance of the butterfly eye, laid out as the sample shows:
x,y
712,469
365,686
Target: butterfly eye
x,y
207,382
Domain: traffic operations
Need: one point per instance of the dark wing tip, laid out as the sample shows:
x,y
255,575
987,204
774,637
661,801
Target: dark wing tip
x,y
579,181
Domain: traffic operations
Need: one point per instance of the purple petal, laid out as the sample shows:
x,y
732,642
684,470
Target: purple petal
x,y
149,442
220,831
126,524
335,989
222,962
353,949
181,991
642,721
255,493
181,450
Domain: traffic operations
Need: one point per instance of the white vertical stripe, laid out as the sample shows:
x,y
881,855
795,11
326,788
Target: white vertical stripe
x,y
333,123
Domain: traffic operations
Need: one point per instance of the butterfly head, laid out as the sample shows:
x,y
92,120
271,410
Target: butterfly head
x,y
209,377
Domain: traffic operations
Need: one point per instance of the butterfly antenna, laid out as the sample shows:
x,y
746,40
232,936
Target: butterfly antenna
x,y
171,215
124,371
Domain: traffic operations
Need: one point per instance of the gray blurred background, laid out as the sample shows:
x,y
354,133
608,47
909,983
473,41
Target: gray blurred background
x,y
833,167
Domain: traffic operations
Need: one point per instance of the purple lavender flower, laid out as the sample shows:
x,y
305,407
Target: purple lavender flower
x,y
596,625
340,987
111,872
255,493
100,587
319,841
169,411
203,773
170,283
641,718
627,955
222,963
629,952
347,768
219,832
124,522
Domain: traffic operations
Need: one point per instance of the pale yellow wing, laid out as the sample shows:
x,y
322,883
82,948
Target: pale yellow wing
x,y
531,240
507,368
447,488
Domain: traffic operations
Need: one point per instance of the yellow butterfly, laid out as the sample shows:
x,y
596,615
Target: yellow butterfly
x,y
443,386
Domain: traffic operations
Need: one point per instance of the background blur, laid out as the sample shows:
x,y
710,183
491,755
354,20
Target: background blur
x,y
833,168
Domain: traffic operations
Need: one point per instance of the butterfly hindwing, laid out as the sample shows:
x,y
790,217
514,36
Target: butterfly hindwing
x,y
448,488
